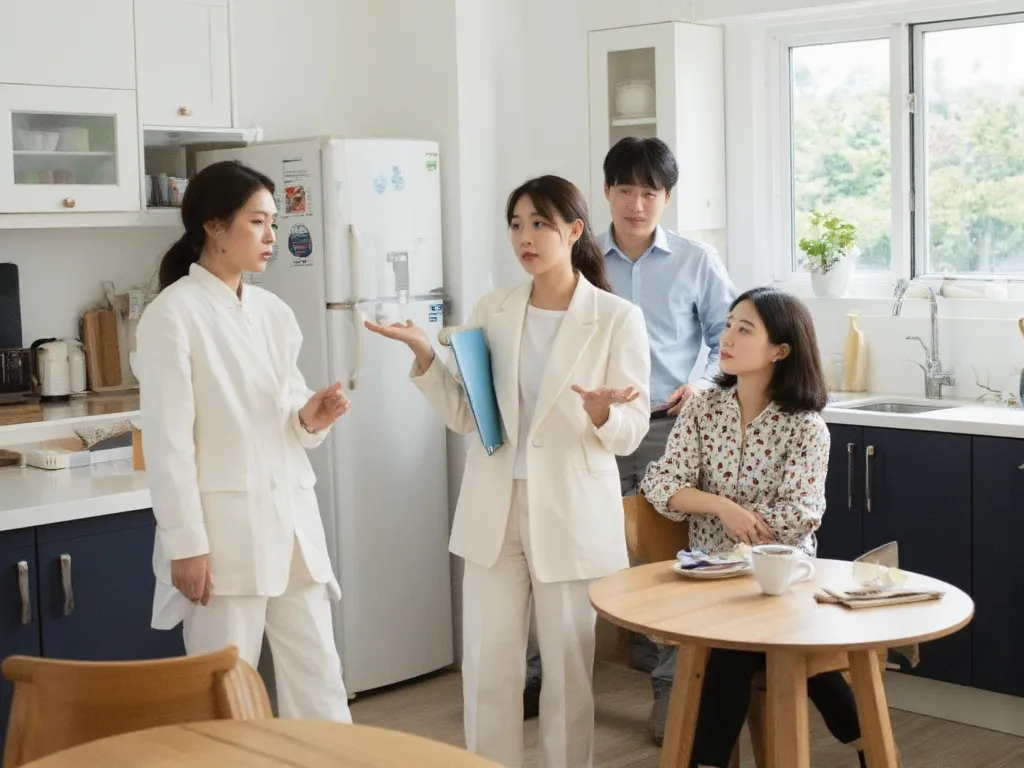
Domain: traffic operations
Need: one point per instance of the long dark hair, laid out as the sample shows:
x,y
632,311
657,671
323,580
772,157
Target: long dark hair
x,y
798,383
552,195
216,193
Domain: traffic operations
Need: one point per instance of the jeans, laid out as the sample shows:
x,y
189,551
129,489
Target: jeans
x,y
725,698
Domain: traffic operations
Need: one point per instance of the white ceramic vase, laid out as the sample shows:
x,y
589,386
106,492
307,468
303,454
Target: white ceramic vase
x,y
834,283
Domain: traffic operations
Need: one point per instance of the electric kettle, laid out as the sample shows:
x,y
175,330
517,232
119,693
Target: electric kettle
x,y
54,370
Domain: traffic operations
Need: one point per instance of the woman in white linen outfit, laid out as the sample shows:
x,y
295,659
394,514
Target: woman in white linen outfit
x,y
543,514
226,421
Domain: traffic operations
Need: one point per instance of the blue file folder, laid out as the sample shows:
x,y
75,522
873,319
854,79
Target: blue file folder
x,y
473,359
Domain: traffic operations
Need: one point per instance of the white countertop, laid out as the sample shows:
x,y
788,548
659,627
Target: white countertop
x,y
967,417
31,496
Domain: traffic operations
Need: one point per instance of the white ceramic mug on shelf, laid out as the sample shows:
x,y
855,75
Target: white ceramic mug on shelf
x,y
778,567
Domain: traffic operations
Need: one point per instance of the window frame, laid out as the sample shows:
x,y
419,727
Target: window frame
x,y
899,134
909,238
919,163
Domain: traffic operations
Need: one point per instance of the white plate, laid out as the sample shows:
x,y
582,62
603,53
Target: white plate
x,y
741,569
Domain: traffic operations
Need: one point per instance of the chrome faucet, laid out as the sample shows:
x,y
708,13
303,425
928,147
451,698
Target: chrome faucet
x,y
934,377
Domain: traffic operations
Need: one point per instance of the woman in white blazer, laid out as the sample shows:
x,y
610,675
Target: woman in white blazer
x,y
226,421
543,514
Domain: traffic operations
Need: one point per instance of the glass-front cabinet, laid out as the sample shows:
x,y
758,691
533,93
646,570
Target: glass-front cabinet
x,y
68,149
663,81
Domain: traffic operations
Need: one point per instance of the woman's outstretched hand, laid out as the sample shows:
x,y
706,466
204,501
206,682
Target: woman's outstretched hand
x,y
324,408
409,334
598,402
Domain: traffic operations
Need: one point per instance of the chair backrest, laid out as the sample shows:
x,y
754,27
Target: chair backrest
x,y
651,537
59,704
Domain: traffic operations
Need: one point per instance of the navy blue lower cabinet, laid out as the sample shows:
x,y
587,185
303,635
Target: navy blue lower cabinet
x,y
19,614
917,491
998,532
96,590
841,535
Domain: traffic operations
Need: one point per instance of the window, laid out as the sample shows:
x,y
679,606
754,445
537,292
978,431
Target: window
x,y
916,135
969,128
840,145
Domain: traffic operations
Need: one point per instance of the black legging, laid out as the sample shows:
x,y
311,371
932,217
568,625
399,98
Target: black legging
x,y
725,699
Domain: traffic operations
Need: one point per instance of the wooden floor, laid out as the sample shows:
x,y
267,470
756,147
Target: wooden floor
x,y
433,708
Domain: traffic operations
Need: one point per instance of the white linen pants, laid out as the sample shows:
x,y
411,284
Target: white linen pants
x,y
496,619
307,669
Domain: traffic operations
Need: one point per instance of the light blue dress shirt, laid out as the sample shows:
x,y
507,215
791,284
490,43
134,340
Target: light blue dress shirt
x,y
684,291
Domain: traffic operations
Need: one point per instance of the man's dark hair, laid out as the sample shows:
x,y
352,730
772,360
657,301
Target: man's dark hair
x,y
641,162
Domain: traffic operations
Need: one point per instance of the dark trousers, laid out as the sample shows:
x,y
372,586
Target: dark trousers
x,y
725,699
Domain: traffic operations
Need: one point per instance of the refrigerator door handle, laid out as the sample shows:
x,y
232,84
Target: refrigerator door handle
x,y
355,254
357,328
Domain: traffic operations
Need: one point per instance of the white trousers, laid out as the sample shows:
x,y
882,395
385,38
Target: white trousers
x,y
496,619
307,669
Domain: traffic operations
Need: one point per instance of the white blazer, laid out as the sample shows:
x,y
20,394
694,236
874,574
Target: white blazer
x,y
225,453
575,503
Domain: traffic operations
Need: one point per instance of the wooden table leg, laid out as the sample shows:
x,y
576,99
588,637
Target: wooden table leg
x,y
788,727
872,710
683,707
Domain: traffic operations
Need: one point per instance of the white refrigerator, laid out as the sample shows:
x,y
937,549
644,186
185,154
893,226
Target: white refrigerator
x,y
359,237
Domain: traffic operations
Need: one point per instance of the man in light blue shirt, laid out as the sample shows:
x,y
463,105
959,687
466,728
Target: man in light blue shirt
x,y
685,294
680,284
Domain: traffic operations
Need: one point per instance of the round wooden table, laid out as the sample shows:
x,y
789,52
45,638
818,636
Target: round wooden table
x,y
796,633
264,743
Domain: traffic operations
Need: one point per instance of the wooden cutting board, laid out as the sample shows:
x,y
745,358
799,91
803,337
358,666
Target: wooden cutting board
x,y
102,351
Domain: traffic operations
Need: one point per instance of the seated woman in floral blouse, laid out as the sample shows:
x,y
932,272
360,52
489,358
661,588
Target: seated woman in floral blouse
x,y
746,462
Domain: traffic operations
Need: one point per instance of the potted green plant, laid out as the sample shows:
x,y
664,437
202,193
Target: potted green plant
x,y
831,254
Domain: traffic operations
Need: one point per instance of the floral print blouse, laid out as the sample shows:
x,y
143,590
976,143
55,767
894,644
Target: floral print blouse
x,y
775,467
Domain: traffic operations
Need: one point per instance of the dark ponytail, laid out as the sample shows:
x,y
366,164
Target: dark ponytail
x,y
215,194
551,196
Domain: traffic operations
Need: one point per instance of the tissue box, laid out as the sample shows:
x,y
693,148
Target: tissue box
x,y
61,459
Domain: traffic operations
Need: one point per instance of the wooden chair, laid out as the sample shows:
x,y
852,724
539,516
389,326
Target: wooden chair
x,y
652,538
59,704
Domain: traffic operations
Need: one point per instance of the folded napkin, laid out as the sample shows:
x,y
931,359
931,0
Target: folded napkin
x,y
694,559
868,597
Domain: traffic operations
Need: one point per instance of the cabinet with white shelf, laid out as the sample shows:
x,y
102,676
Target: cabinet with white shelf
x,y
68,149
667,81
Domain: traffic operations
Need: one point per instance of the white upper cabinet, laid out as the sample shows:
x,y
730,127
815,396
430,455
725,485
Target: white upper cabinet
x,y
183,63
67,43
667,81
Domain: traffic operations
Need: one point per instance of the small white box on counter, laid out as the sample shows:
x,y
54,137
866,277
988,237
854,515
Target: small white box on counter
x,y
59,459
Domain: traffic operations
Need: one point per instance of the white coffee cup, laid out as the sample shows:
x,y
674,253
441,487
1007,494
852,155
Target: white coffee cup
x,y
778,567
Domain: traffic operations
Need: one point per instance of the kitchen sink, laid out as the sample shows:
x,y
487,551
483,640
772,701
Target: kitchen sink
x,y
898,408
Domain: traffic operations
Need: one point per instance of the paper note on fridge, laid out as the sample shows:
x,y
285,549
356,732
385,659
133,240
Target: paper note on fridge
x,y
473,359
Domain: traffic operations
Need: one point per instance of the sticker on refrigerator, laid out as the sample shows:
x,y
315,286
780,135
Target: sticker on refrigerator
x,y
397,178
252,278
431,161
297,177
380,184
300,244
295,199
436,312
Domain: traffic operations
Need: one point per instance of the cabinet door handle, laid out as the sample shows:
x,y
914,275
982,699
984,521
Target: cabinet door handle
x,y
869,452
65,577
26,598
68,202
185,111
850,449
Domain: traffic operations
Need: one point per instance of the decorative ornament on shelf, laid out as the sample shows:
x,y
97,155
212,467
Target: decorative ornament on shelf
x,y
831,254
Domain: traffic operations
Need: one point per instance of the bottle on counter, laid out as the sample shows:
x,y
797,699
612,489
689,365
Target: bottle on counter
x,y
855,357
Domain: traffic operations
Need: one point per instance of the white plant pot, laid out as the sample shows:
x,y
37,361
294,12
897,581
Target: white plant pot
x,y
834,283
